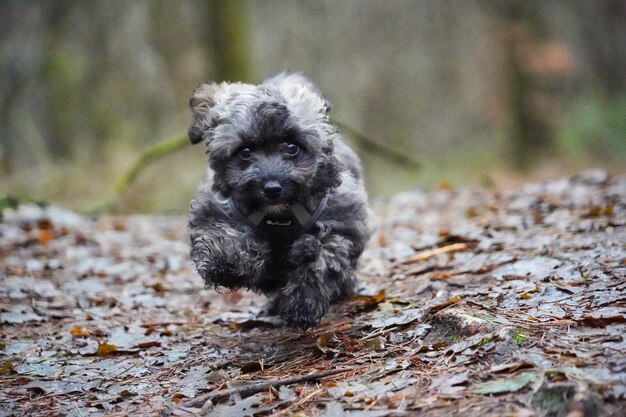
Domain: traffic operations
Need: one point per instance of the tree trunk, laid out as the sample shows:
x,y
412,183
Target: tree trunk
x,y
228,37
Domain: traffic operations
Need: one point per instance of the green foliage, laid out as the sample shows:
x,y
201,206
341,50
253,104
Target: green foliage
x,y
12,201
7,201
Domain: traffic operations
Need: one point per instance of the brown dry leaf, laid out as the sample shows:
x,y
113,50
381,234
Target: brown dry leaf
x,y
352,344
377,343
147,345
370,300
79,332
597,211
44,224
439,345
127,394
511,367
158,287
321,342
105,349
342,327
45,236
440,275
6,368
382,240
120,224
446,303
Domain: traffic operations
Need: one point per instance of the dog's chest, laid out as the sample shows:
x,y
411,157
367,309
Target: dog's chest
x,y
280,230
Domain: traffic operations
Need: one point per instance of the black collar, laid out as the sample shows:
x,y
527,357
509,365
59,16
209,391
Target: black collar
x,y
295,221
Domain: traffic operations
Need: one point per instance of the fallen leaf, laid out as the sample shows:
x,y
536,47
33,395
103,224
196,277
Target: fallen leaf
x,y
321,342
377,343
402,317
511,367
439,345
105,349
285,393
6,368
79,332
45,232
366,301
147,345
45,236
446,303
127,394
158,287
506,385
604,317
61,387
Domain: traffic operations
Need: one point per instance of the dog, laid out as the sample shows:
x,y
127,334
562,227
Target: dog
x,y
282,208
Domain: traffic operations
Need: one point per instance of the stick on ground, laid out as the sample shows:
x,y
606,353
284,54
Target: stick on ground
x,y
248,390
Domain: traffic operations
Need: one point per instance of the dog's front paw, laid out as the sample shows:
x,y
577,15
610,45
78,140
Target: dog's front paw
x,y
302,310
306,249
223,267
217,273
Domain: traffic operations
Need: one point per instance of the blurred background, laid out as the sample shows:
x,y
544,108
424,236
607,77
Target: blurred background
x,y
478,93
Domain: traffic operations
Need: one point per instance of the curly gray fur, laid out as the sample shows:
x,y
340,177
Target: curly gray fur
x,y
277,132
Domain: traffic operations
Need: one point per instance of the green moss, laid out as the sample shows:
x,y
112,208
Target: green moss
x,y
520,335
485,340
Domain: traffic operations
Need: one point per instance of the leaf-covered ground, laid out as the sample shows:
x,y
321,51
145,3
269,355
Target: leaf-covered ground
x,y
476,303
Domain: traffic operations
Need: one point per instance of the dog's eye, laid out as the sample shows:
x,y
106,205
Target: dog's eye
x,y
292,149
245,153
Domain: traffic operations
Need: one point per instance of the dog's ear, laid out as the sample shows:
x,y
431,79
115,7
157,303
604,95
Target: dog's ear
x,y
204,103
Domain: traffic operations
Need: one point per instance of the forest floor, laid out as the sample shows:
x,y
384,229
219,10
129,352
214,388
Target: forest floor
x,y
475,302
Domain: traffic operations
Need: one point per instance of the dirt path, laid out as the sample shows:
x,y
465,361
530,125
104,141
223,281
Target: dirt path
x,y
479,303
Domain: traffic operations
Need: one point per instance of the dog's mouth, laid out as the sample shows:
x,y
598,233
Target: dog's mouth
x,y
276,209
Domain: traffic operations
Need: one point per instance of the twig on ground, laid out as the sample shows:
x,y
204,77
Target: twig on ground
x,y
422,256
299,403
248,390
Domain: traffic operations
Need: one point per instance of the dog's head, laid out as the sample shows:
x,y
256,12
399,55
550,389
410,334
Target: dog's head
x,y
269,145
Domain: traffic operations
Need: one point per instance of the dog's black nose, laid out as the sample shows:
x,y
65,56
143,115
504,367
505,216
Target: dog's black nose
x,y
272,190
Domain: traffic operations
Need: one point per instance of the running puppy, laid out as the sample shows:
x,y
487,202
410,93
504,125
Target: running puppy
x,y
282,208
